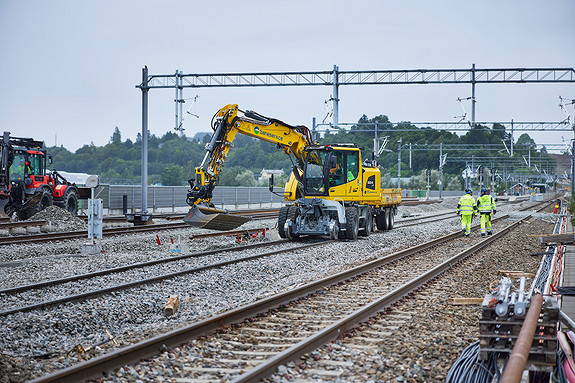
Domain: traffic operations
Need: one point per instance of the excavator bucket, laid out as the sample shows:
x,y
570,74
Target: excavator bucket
x,y
214,219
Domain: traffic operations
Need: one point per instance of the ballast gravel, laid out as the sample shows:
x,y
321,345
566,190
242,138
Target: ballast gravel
x,y
41,341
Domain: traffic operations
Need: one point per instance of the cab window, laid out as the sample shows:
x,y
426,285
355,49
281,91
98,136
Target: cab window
x,y
314,172
352,165
17,168
336,174
36,164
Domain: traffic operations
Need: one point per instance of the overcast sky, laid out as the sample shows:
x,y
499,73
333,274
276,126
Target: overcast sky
x,y
69,68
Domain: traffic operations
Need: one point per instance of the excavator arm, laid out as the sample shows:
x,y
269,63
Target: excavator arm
x,y
227,123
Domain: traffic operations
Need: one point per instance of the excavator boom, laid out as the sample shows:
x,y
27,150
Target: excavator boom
x,y
227,123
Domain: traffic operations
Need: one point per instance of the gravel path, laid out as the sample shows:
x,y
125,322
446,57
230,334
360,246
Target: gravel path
x,y
37,342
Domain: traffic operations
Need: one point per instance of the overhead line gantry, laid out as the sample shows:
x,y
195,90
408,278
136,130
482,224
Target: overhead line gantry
x,y
334,78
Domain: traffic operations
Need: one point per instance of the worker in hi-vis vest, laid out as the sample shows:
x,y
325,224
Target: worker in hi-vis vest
x,y
466,208
485,205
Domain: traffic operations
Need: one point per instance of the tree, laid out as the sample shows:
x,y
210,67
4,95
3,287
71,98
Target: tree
x,y
454,183
116,136
246,178
386,181
173,175
525,143
499,131
417,182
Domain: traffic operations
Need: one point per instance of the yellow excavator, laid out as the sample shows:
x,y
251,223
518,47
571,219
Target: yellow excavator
x,y
330,191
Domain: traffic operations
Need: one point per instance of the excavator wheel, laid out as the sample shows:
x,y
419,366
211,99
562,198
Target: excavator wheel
x,y
368,223
382,220
282,218
71,201
352,223
391,220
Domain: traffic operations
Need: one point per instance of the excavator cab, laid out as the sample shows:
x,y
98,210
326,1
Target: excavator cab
x,y
332,170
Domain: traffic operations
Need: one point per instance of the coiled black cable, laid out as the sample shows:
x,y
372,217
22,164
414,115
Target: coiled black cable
x,y
469,369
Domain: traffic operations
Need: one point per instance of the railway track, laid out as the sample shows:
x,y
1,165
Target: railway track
x,y
428,331
137,280
127,268
58,236
141,280
293,343
428,219
109,232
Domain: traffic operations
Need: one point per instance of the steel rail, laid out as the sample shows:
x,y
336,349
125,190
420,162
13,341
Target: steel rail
x,y
110,218
399,224
422,220
96,366
414,202
65,235
97,293
9,225
40,238
79,277
251,213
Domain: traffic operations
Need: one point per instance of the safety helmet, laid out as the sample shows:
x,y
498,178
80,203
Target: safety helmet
x,y
483,191
468,191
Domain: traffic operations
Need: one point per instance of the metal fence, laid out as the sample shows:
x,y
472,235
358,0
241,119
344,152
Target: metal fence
x,y
166,198
173,198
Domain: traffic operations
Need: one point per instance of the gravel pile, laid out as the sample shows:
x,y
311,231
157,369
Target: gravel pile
x,y
59,219
40,340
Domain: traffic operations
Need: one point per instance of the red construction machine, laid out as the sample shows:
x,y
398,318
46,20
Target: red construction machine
x,y
26,184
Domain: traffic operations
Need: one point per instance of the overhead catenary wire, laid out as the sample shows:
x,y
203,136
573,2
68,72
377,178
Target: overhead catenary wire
x,y
195,98
464,116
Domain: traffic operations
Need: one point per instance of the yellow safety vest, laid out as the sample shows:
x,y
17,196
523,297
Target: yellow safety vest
x,y
485,203
466,205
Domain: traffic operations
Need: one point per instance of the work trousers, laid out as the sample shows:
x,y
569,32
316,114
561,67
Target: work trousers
x,y
485,222
466,223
